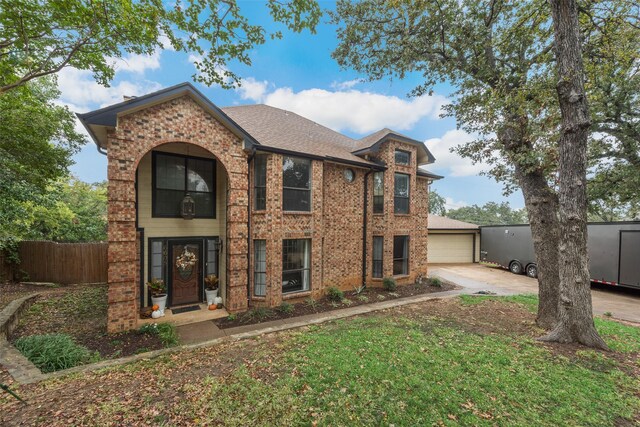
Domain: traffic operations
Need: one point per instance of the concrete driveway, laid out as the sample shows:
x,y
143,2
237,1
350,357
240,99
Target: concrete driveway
x,y
620,302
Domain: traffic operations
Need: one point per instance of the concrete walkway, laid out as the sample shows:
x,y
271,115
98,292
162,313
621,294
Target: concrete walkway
x,y
622,303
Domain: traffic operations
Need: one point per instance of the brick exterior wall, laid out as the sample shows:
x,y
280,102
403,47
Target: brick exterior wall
x,y
334,224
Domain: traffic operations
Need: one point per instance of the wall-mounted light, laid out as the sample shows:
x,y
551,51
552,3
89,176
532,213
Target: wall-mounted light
x,y
188,207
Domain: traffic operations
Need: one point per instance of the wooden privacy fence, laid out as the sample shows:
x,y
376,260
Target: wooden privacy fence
x,y
64,263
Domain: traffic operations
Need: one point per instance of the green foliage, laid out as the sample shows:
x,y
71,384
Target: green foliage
x,y
311,303
167,333
363,298
490,214
335,294
54,352
394,371
156,286
258,314
346,301
286,308
436,203
389,283
88,35
435,281
232,317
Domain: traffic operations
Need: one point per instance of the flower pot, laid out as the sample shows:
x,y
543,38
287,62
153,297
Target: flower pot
x,y
161,301
217,301
211,295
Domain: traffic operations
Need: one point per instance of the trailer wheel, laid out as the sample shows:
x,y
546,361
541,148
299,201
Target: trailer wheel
x,y
532,271
515,267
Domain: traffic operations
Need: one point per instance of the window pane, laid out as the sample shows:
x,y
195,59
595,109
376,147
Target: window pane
x,y
296,261
378,183
378,204
204,204
200,175
401,205
400,255
401,188
212,257
260,169
168,202
260,267
296,173
403,157
170,172
260,182
296,200
378,242
157,266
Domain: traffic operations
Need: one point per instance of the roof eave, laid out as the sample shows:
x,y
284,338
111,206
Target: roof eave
x,y
375,147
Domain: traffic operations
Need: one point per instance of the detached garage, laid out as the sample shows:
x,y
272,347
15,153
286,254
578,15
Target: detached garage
x,y
452,242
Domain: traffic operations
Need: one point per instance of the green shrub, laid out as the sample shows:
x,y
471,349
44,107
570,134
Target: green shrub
x,y
257,314
232,317
335,294
312,303
286,308
363,298
54,352
435,281
389,284
346,301
165,331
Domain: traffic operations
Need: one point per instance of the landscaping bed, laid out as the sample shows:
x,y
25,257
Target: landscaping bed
x,y
328,303
79,313
456,361
10,291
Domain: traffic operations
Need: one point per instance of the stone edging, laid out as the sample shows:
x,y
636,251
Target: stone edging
x,y
20,368
332,315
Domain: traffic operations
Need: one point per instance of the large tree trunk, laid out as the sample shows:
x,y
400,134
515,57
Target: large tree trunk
x,y
542,207
575,323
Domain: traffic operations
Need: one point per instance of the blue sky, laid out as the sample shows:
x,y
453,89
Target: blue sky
x,y
298,74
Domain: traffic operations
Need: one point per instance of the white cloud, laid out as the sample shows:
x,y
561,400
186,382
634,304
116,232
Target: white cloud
x,y
346,84
457,166
80,91
449,203
136,63
253,89
354,110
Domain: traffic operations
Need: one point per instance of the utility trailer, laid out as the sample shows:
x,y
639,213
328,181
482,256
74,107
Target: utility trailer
x,y
614,251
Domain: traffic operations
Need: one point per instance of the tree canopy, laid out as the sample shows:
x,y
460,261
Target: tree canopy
x,y
490,213
436,203
40,38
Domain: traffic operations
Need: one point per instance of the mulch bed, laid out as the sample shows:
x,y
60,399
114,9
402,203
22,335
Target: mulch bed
x,y
324,304
10,291
81,311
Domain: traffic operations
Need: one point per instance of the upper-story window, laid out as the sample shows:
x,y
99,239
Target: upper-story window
x,y
174,176
378,192
296,184
401,194
403,157
260,182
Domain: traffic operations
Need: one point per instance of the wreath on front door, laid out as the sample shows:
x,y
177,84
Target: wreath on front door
x,y
185,262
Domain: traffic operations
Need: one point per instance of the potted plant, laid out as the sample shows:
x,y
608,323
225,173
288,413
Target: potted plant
x,y
211,288
158,293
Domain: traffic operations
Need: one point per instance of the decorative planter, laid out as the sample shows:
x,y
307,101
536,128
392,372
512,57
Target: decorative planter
x,y
211,295
161,301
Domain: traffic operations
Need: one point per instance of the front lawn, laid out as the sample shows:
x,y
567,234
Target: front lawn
x,y
444,362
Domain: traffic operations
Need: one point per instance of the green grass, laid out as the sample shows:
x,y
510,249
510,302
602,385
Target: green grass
x,y
619,337
384,371
167,333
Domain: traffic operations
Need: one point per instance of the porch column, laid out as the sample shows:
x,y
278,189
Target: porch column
x,y
123,251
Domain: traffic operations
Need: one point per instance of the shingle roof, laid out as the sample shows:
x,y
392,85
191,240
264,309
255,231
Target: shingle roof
x,y
437,222
371,143
281,129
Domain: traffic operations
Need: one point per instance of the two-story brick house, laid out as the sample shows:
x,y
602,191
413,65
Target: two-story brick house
x,y
284,207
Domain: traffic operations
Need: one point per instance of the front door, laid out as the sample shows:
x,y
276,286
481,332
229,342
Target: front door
x,y
185,271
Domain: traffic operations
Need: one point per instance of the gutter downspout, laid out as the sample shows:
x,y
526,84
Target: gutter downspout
x,y
364,227
249,160
101,150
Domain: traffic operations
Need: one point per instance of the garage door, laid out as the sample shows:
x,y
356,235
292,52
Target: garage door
x,y
450,248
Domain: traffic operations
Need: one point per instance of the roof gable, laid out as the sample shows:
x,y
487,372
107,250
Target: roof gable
x,y
371,144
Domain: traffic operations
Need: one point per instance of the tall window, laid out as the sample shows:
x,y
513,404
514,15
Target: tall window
x,y
175,176
260,182
296,265
378,246
296,184
378,192
402,157
260,267
401,194
400,255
